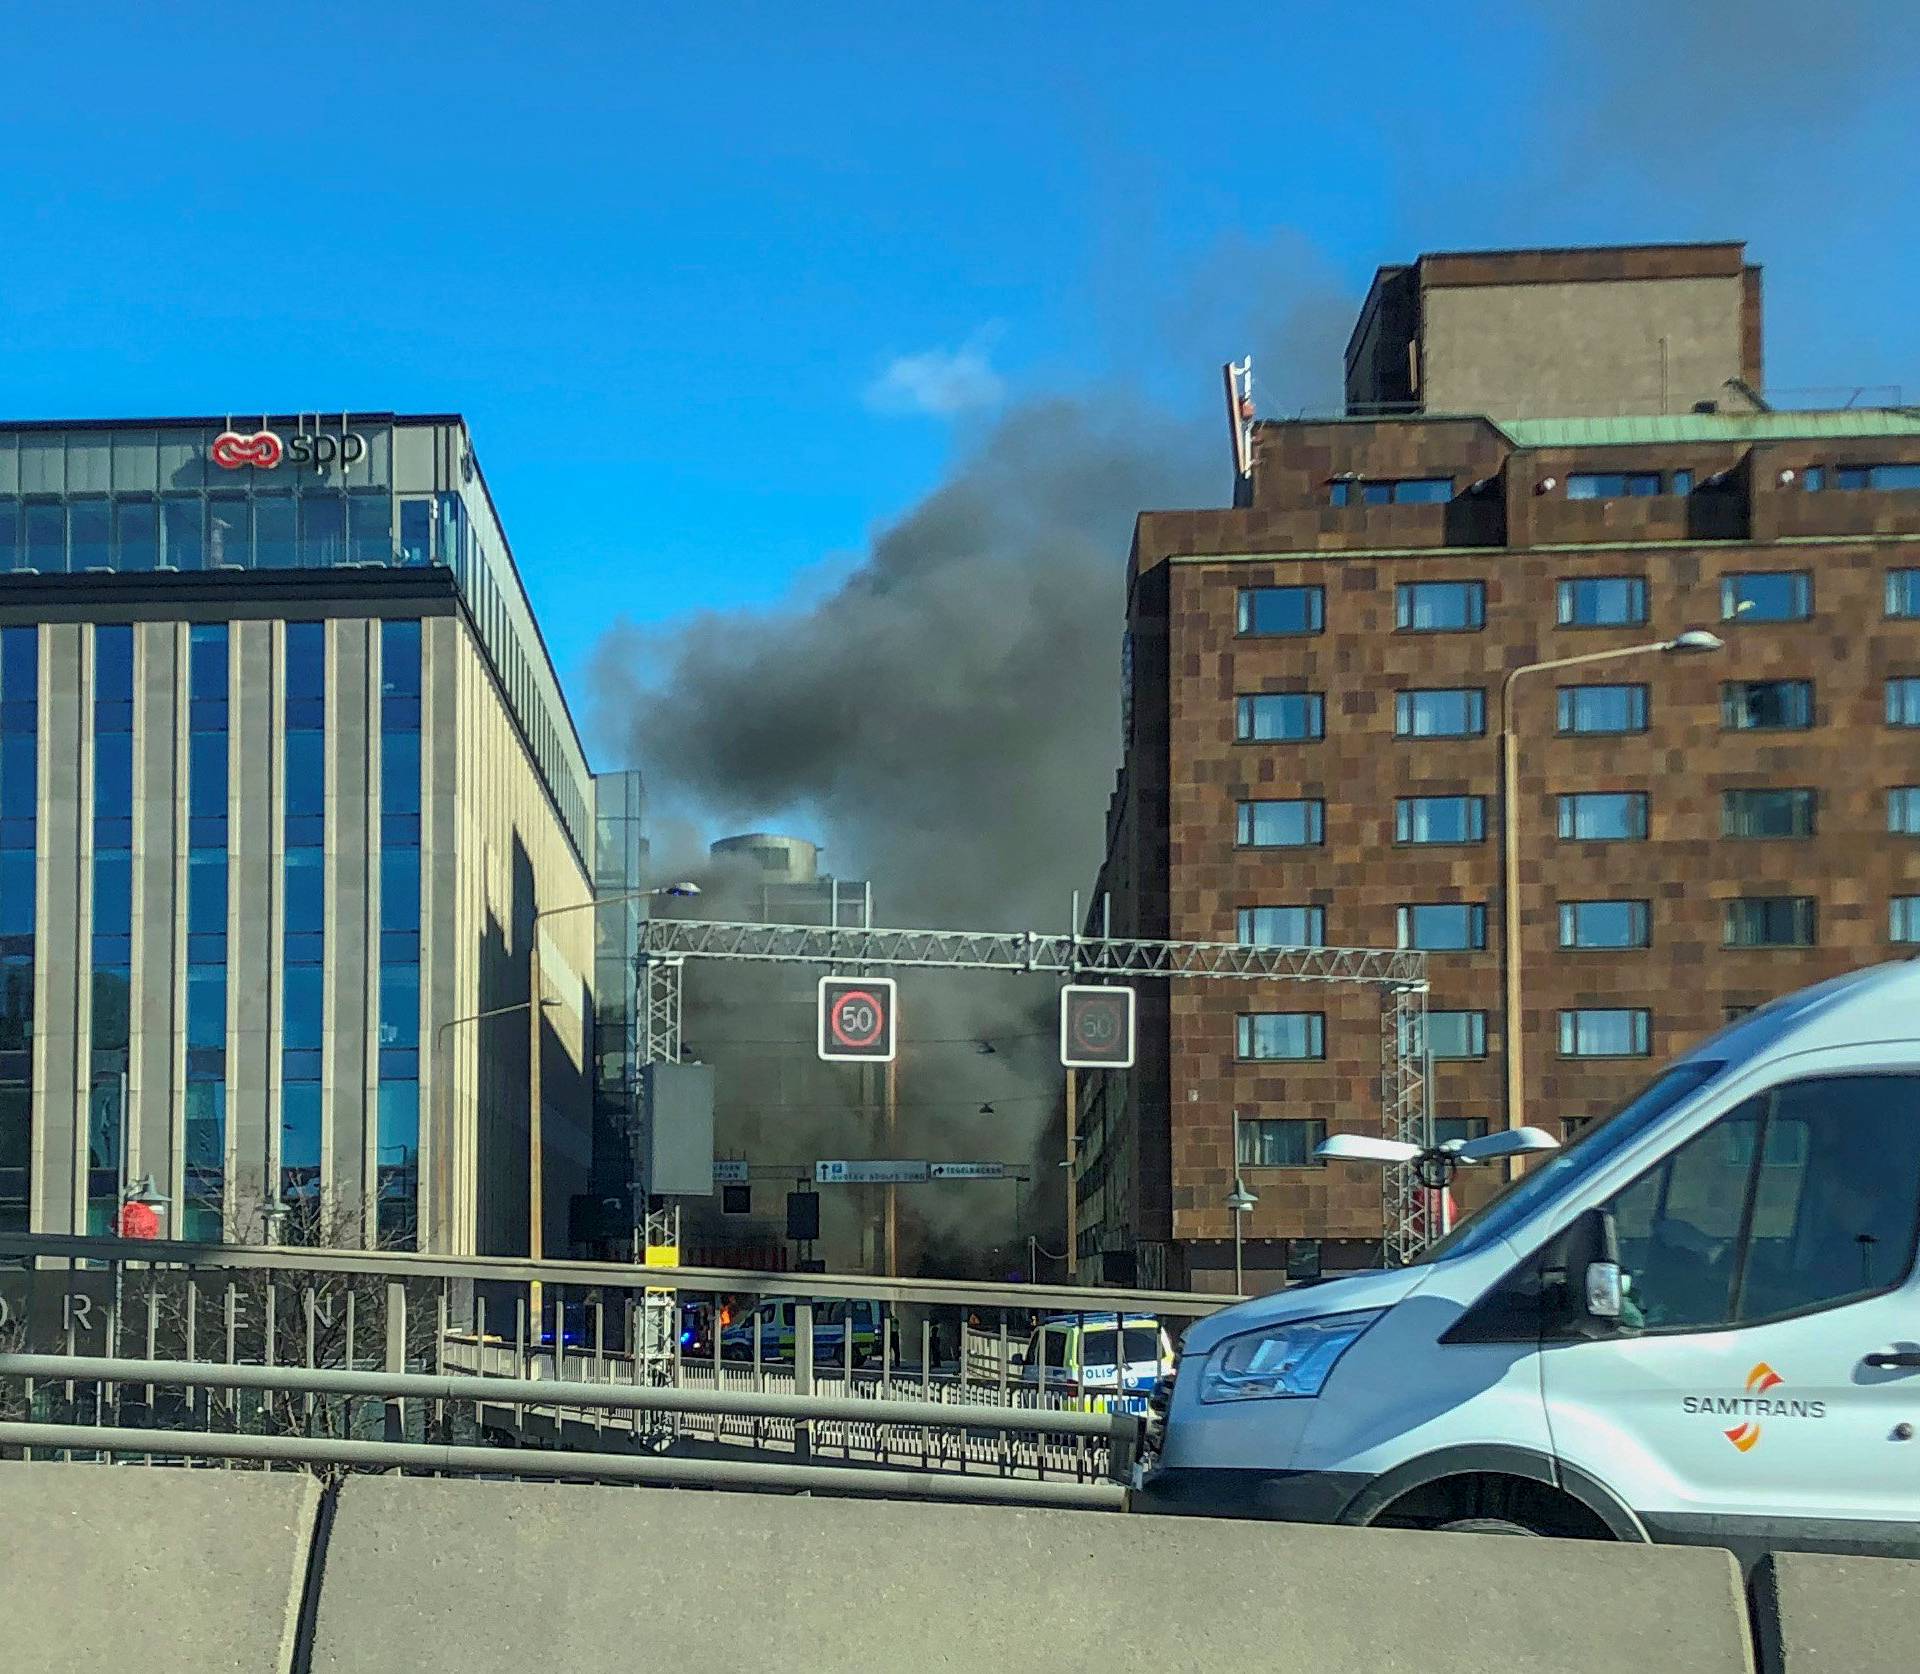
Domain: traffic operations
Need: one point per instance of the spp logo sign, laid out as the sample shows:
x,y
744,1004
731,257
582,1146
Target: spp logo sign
x,y
233,451
1759,1402
857,1019
263,450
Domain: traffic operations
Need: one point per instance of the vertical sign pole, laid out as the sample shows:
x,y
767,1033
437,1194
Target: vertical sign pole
x,y
891,1099
1073,1182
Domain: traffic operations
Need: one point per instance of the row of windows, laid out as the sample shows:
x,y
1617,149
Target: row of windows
x,y
192,532
1579,711
1584,1032
1461,926
1612,485
1583,816
1609,601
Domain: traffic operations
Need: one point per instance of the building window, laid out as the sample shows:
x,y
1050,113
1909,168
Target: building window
x,y
1767,705
1604,816
19,817
1602,709
397,1171
208,742
1903,810
1603,601
1680,483
1606,1032
1280,1142
1283,926
1449,1035
1612,485
1766,596
1444,926
1767,813
1769,921
304,921
1440,607
1455,712
1274,611
1282,825
1903,703
1280,717
1440,819
1457,1130
1903,593
1733,1014
1391,491
1903,918
1603,924
1283,1034
1883,477
112,949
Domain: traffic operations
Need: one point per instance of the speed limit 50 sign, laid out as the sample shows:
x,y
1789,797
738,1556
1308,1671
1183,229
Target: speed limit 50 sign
x,y
857,1020
1096,1027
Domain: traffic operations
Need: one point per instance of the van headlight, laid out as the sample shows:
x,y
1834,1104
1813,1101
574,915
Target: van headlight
x,y
1293,1359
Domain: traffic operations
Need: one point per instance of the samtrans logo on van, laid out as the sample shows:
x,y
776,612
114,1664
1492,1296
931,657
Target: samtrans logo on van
x,y
1758,1402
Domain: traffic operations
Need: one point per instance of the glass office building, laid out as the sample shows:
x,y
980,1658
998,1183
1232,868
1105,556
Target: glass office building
x,y
285,774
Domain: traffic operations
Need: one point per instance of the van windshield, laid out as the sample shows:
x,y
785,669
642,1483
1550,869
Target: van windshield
x,y
1563,1169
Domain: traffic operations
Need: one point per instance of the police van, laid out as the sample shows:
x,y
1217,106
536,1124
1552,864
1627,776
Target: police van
x,y
1699,1322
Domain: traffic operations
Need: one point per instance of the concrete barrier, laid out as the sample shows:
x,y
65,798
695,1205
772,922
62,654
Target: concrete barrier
x,y
164,1571
446,1577
1825,1615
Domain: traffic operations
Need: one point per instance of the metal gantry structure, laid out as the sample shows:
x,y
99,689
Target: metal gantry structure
x,y
1399,975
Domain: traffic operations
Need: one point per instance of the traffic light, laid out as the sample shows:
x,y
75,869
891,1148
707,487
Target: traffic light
x,y
1096,1027
856,1022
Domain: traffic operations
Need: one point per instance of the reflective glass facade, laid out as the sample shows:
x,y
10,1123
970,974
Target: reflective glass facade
x,y
303,925
19,810
112,945
208,745
342,491
398,1169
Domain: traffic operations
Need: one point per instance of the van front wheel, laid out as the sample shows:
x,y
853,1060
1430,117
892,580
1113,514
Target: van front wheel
x,y
1487,1525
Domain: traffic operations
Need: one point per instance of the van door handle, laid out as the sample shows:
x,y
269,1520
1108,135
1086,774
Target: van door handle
x,y
1895,1357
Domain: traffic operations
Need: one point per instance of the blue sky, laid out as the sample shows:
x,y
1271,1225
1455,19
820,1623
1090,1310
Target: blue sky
x,y
723,290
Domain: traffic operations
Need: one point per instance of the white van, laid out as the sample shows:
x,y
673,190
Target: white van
x,y
1699,1322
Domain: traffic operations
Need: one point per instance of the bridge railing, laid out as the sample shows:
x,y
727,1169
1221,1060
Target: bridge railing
x,y
1116,1433
505,1325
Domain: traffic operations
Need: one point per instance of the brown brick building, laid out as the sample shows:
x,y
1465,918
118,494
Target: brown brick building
x,y
1313,734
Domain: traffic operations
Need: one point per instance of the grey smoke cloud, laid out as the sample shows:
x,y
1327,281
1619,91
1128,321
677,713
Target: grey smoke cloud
x,y
1666,77
950,711
947,719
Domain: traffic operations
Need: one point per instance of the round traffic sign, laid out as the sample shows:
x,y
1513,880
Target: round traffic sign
x,y
857,1018
1097,1024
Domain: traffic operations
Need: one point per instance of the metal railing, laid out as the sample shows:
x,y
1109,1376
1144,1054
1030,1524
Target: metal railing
x,y
1116,1433
886,1378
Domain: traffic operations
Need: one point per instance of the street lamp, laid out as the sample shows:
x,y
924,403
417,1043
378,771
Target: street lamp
x,y
534,986
1693,640
1241,1202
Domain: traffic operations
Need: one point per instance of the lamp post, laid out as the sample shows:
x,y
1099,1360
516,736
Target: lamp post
x,y
1241,1202
1694,640
534,1014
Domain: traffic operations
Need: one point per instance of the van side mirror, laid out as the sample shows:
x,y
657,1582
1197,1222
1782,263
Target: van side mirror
x,y
1603,1289
1592,1288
